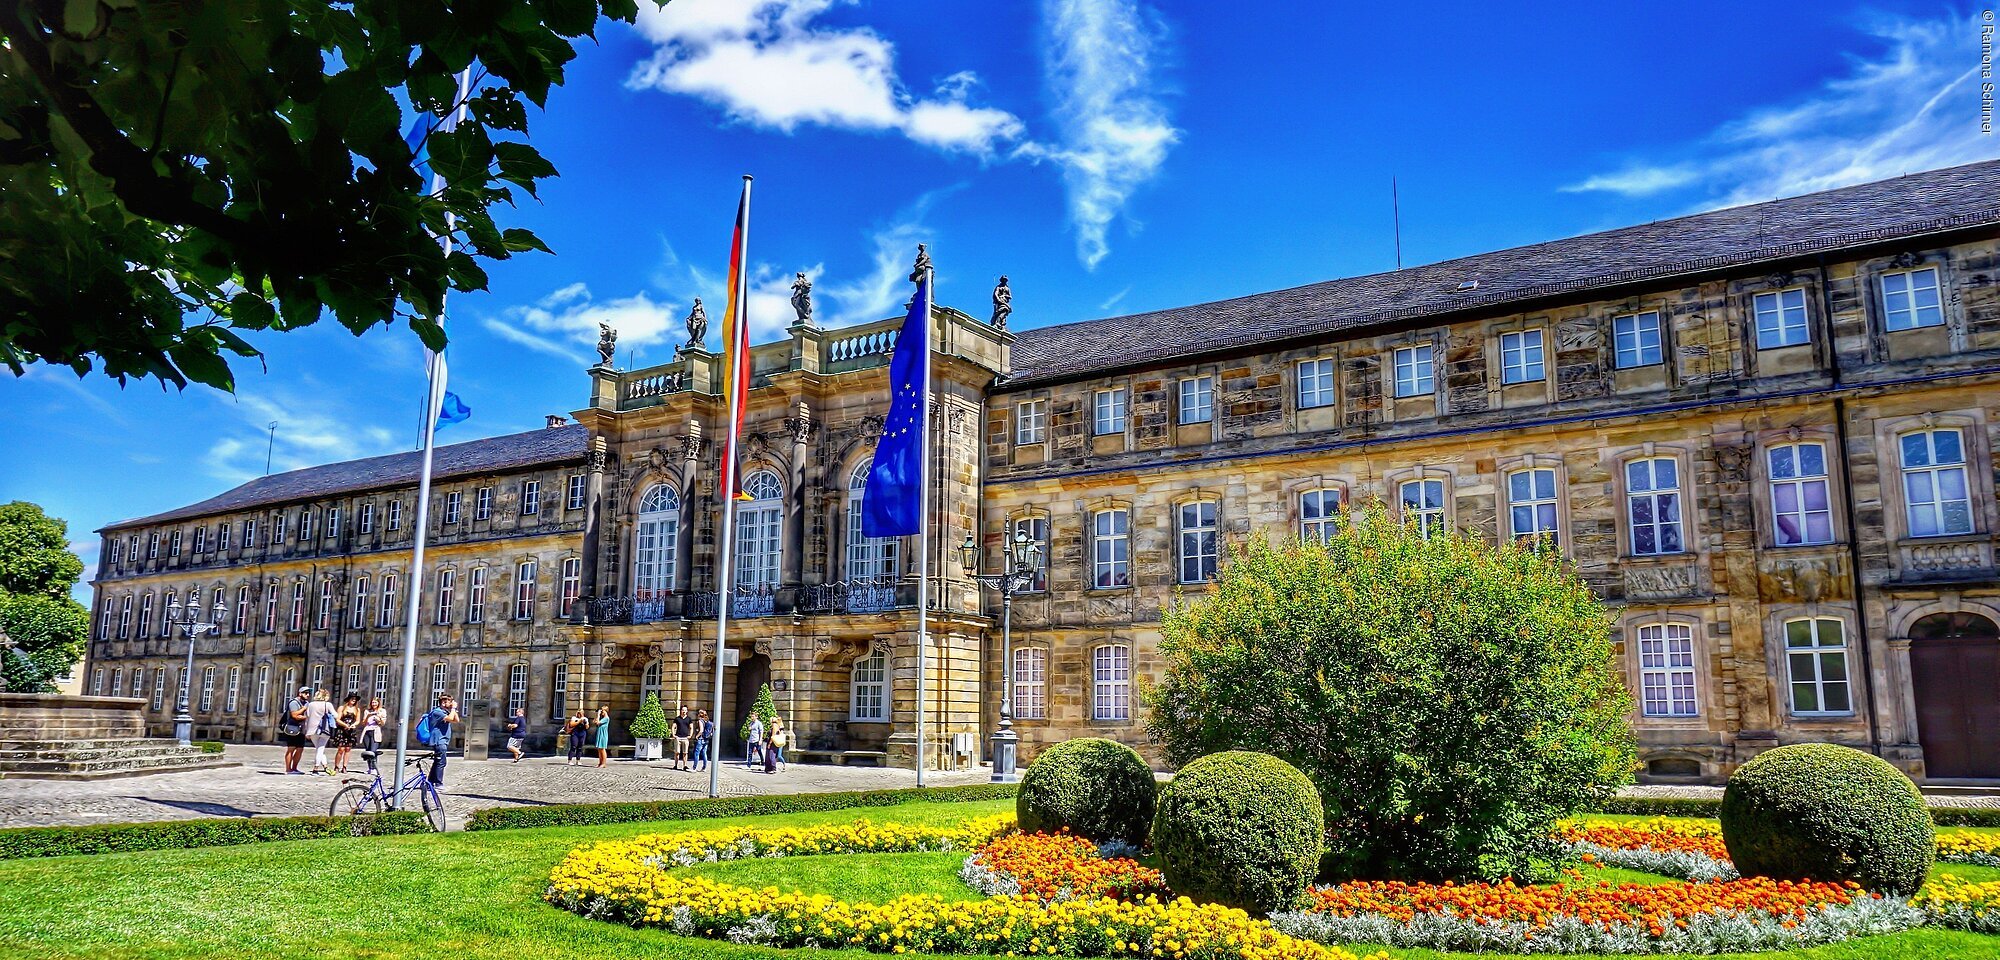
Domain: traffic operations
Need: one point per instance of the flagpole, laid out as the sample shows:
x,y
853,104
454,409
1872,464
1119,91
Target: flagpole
x,y
724,580
929,292
434,396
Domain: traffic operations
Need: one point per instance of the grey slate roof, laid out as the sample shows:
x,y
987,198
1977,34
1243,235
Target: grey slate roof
x,y
1966,196
491,455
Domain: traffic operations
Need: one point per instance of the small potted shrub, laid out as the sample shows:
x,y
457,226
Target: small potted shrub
x,y
648,729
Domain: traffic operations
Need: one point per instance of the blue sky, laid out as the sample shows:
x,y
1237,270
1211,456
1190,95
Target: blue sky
x,y
1110,156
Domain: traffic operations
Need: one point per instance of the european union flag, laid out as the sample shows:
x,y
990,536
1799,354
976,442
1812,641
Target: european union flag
x,y
452,410
419,143
892,506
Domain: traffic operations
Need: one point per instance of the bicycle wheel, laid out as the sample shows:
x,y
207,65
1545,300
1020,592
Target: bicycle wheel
x,y
433,808
355,799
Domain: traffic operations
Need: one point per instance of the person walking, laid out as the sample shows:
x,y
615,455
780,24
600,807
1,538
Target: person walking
x,y
779,737
753,745
771,745
292,729
441,718
683,732
517,732
577,728
603,735
319,728
704,733
346,730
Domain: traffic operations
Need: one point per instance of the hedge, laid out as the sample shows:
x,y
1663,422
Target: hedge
x,y
209,746
704,808
1704,807
23,842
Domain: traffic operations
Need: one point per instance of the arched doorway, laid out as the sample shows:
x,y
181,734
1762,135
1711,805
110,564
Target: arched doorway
x,y
1955,676
751,675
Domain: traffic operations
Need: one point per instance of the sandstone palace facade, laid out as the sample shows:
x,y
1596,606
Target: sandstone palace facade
x,y
1765,435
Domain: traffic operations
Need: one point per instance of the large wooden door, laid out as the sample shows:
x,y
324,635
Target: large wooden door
x,y
1955,670
751,675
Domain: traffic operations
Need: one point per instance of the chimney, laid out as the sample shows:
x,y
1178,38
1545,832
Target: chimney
x,y
557,420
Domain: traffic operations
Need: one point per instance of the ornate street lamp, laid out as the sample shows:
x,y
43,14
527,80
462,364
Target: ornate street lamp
x,y
192,626
1023,558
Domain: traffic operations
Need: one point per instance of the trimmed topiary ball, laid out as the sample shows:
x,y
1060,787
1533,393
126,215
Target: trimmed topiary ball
x,y
1818,811
1096,788
1239,828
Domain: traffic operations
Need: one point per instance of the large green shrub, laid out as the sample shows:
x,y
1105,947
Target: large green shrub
x,y
1097,788
1239,828
1820,811
1451,700
651,721
765,709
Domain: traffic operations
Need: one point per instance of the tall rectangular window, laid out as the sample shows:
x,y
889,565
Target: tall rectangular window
x,y
475,604
385,612
482,503
1936,496
278,522
261,697
1531,507
125,617
1653,504
1423,505
357,604
174,544
1666,670
200,540
241,623
1031,421
367,518
572,585
1319,514
517,688
1037,529
271,607
298,604
1910,299
576,492
1801,504
524,590
1031,683
207,689
1198,547
159,686
249,533
1521,356
1108,412
868,687
1111,548
468,690
117,682
440,681
451,506
152,546
305,526
323,618
229,690
1636,339
1416,371
222,536
1781,318
379,689
353,680
333,523
447,581
559,691
318,676
1316,383
1111,682
395,515
1197,400
531,497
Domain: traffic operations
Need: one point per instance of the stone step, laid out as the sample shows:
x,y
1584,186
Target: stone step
x,y
133,751
102,744
109,768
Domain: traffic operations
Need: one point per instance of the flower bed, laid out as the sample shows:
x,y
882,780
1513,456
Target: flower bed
x,y
635,882
1692,849
1057,867
1957,904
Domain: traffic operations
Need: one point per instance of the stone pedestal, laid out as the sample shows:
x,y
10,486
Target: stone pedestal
x,y
478,717
51,736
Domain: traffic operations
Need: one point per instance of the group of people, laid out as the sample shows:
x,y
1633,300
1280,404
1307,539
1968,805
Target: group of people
x,y
582,730
766,744
692,735
312,717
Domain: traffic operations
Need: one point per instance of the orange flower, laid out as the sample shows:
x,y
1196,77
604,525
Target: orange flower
x,y
1051,866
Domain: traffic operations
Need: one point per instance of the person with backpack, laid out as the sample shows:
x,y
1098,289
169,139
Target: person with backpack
x,y
319,728
434,731
292,730
704,733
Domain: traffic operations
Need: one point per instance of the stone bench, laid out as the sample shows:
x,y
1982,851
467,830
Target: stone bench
x,y
840,758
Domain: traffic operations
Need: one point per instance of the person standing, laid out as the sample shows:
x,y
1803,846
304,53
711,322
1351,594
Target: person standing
x,y
441,717
292,729
779,737
753,745
683,732
319,728
517,732
704,733
578,729
346,730
603,735
372,721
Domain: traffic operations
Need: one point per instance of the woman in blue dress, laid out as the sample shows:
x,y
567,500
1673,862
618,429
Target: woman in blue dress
x,y
603,734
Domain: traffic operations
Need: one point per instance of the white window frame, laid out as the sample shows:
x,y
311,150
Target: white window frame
x,y
1638,340
1426,511
323,614
1668,686
306,526
517,688
656,541
378,688
1037,526
868,687
367,524
524,589
531,497
1197,400
1318,522
1779,317
1031,683
1315,383
249,532
353,685
1111,682
385,610
1523,357
875,559
1785,467
124,617
298,618
1912,288
1198,533
475,594
333,523
470,681
447,591
1107,412
231,686
760,530
262,694
1543,529
1031,421
1926,509
559,690
159,686
452,501
1415,370
1661,499
207,689
571,586
578,492
1111,548
395,515
357,609
117,682
200,539
240,624
440,683
482,503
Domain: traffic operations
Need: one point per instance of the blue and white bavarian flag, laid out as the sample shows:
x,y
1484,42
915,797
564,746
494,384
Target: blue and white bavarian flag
x,y
893,503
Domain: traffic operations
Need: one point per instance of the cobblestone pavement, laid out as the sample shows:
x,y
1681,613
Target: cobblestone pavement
x,y
260,787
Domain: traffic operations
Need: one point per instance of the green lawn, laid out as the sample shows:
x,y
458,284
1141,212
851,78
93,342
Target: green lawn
x,y
476,896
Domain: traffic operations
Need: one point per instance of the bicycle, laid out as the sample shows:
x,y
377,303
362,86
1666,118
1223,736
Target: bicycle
x,y
358,798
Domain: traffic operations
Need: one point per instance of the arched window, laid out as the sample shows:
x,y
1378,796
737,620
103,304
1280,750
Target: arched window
x,y
868,558
760,531
649,683
1319,514
656,542
870,687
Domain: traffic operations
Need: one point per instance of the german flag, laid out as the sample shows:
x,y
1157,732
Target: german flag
x,y
736,342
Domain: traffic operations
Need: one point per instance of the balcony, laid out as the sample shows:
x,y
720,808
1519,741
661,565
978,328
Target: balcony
x,y
858,596
861,595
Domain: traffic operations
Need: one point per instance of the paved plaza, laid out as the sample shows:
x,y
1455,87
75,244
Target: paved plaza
x,y
259,787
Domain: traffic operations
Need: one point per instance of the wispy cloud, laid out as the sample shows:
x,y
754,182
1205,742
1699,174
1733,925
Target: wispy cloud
x,y
1909,107
564,323
884,289
1114,300
1115,129
312,428
768,63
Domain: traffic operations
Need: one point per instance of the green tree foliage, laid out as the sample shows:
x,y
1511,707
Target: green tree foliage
x,y
1450,699
766,709
37,572
1239,828
1090,786
650,723
178,174
1821,811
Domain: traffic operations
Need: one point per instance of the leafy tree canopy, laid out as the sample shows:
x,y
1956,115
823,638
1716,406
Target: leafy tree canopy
x,y
1451,700
37,572
179,173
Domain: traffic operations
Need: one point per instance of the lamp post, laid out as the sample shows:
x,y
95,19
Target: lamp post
x,y
192,626
1023,559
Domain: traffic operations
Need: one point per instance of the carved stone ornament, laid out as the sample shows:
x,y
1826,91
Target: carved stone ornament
x,y
607,344
1663,582
1782,278
656,458
802,299
690,447
871,426
923,264
1905,260
599,457
1003,303
802,428
697,324
1734,462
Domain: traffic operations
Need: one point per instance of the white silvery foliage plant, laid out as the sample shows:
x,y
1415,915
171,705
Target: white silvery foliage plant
x,y
1679,864
985,879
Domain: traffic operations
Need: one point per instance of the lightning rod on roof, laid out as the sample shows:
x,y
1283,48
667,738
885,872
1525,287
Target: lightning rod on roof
x,y
269,443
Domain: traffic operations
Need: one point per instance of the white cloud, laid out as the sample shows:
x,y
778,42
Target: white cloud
x,y
1911,107
883,292
1115,130
564,323
767,63
1114,300
311,430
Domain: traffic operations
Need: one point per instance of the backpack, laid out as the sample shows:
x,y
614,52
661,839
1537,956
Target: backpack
x,y
426,733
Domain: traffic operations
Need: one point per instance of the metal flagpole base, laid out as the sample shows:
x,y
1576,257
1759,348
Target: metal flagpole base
x,y
184,728
1004,743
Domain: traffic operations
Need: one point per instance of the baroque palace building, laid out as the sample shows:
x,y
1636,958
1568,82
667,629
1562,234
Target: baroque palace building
x,y
1765,435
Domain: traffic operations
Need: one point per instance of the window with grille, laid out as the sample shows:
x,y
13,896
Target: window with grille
x,y
1653,505
1111,682
1936,496
517,688
1801,499
656,542
1666,670
870,688
1031,683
